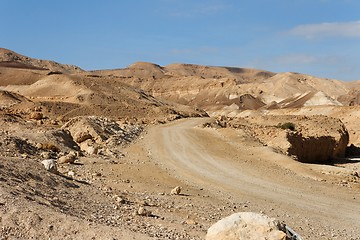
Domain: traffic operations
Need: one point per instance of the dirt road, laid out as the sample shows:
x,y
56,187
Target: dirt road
x,y
234,166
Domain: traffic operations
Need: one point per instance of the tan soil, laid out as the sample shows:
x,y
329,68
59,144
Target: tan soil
x,y
220,170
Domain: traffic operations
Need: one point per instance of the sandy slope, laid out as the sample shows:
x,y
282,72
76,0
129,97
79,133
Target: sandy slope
x,y
237,168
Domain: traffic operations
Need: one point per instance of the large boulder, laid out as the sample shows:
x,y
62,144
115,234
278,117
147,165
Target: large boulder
x,y
246,226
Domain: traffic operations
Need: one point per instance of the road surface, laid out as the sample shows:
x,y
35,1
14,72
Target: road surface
x,y
235,166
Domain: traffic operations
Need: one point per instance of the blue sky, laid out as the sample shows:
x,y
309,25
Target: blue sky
x,y
317,37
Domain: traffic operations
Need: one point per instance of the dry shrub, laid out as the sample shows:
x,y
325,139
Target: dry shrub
x,y
50,146
287,125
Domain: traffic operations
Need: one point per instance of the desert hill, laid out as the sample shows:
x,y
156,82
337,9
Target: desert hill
x,y
153,71
217,88
12,59
132,153
67,91
207,87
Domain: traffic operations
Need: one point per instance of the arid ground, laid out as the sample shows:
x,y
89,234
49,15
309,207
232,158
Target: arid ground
x,y
233,139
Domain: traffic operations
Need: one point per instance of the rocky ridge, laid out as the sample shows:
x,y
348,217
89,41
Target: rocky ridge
x,y
12,59
218,88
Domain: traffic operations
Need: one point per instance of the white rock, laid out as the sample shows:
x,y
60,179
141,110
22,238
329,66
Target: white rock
x,y
176,191
246,225
50,165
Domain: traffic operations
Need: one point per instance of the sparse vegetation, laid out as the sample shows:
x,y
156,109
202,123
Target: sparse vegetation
x,y
287,125
50,147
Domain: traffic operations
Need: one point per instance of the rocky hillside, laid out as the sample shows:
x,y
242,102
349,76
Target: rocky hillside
x,y
206,87
219,88
309,139
60,96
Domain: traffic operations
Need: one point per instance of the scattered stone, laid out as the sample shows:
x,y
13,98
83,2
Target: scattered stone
x,y
39,145
246,225
120,200
143,212
176,191
88,147
50,165
71,174
69,158
45,155
36,115
190,222
93,133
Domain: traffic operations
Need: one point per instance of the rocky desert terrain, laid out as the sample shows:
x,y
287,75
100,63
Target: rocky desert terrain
x,y
165,152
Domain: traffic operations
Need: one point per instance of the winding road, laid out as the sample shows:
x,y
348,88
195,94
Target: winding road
x,y
232,166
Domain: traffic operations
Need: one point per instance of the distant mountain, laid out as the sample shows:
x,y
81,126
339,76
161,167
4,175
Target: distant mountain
x,y
65,91
211,88
12,59
216,88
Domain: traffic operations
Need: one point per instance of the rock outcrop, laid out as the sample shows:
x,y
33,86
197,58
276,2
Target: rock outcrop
x,y
95,135
309,139
246,225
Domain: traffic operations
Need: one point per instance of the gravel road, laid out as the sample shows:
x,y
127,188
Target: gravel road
x,y
234,167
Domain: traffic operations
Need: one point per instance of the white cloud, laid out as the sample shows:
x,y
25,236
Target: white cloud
x,y
325,30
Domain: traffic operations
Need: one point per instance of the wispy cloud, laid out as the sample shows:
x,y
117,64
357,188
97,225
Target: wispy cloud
x,y
325,30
